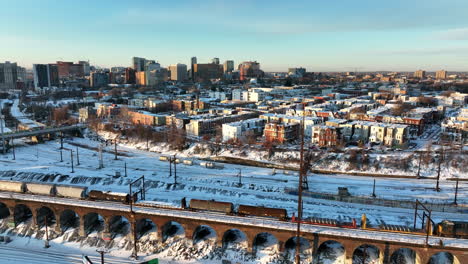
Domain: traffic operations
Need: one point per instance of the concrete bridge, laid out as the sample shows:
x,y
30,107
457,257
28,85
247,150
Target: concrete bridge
x,y
41,132
110,219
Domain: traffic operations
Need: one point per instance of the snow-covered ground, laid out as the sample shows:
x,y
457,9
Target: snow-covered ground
x,y
259,185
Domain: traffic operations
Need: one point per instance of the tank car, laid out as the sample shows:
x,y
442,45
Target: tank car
x,y
41,189
12,186
71,191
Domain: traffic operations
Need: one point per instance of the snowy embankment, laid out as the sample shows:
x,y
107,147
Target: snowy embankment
x,y
382,163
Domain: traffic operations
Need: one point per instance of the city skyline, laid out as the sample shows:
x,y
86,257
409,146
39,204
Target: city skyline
x,y
361,36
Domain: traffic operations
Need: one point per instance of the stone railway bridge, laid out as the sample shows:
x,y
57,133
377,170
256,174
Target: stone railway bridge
x,y
111,219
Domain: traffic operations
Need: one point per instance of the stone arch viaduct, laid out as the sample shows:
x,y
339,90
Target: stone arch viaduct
x,y
253,233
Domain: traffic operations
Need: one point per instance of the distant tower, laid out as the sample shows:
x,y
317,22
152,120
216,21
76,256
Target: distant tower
x,y
193,61
215,61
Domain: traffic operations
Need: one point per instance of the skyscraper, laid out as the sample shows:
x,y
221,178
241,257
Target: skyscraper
x,y
215,61
70,69
250,69
99,79
442,74
138,63
419,74
228,66
205,72
193,61
8,75
129,76
45,76
178,72
86,67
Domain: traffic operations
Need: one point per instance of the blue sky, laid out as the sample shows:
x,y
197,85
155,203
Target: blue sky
x,y
333,35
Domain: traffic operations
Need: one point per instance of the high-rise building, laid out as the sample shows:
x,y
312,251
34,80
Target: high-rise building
x,y
129,76
250,69
99,79
157,76
8,75
69,69
442,74
86,67
138,63
205,72
151,65
297,72
228,66
178,72
140,78
215,61
419,74
193,61
45,76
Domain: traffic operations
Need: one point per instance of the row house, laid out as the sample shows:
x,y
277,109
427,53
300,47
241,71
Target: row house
x,y
391,135
205,126
189,105
146,118
309,122
106,110
281,133
240,129
86,113
325,136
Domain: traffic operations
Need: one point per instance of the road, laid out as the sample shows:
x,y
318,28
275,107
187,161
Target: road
x,y
13,255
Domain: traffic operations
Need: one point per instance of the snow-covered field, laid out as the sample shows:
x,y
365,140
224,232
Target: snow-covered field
x,y
259,185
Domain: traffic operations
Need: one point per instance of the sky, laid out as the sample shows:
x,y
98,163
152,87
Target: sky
x,y
332,35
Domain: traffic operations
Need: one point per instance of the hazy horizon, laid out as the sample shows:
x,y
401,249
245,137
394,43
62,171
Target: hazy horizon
x,y
321,37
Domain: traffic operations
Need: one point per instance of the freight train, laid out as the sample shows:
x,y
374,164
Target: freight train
x,y
446,228
66,191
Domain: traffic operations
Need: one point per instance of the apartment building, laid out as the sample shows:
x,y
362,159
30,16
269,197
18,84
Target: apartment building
x,y
241,129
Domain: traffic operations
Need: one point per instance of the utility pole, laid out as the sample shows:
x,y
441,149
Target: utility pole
x,y
46,242
438,169
240,178
101,162
102,252
77,157
125,168
175,171
299,200
456,194
373,190
13,145
61,140
71,158
419,165
115,149
170,166
1,128
61,156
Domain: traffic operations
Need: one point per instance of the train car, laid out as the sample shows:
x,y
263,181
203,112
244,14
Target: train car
x,y
12,186
111,196
164,158
278,213
211,205
77,192
156,204
458,229
41,189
